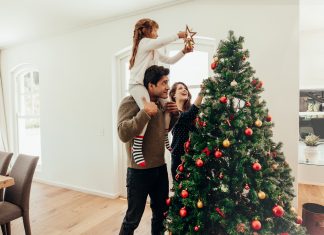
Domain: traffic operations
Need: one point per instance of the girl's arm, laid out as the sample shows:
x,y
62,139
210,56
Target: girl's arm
x,y
170,60
148,44
173,59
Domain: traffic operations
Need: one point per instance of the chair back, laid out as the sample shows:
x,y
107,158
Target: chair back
x,y
22,171
4,162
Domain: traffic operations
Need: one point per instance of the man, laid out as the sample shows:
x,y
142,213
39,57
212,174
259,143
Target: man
x,y
151,180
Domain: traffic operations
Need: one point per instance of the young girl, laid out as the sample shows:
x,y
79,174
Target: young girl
x,y
180,94
144,55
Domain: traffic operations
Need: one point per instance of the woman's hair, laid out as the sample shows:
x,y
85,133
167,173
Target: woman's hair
x,y
143,28
173,90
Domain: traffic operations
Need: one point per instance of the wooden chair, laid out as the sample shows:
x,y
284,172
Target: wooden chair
x,y
16,198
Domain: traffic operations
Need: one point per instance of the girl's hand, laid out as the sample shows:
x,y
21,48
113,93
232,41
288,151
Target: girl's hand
x,y
182,34
186,49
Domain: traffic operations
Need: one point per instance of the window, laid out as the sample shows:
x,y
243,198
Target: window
x,y
194,67
191,70
28,113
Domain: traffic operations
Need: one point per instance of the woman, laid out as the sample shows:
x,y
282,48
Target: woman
x,y
180,94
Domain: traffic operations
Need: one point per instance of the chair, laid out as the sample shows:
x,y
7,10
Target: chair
x,y
4,163
16,198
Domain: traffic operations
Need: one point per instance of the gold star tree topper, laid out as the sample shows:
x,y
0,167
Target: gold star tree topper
x,y
189,41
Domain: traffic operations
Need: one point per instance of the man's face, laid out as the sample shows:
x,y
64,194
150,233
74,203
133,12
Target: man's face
x,y
161,89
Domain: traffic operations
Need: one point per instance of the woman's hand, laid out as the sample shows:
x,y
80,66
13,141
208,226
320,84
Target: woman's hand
x,y
202,90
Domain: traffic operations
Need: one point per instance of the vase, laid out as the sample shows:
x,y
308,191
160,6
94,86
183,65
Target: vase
x,y
310,153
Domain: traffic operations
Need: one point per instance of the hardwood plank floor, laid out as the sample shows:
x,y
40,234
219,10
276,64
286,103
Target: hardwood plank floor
x,y
58,211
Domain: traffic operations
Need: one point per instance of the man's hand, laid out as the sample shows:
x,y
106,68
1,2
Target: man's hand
x,y
171,107
150,107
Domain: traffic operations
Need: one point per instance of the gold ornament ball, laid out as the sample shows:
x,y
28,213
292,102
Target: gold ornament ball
x,y
293,210
200,204
258,123
261,195
226,143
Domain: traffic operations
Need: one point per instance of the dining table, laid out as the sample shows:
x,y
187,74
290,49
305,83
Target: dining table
x,y
6,181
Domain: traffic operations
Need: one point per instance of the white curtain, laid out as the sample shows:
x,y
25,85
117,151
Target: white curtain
x,y
3,121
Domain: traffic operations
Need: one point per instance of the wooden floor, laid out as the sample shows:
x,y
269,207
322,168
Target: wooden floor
x,y
57,211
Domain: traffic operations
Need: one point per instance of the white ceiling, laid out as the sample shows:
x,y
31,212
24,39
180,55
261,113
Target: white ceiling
x,y
27,20
312,15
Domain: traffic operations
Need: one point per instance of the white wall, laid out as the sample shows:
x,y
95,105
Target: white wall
x,y
76,81
311,59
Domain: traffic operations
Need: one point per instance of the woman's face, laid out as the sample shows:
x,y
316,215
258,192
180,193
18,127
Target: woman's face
x,y
181,93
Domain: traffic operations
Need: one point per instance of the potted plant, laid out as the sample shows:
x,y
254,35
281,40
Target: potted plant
x,y
311,142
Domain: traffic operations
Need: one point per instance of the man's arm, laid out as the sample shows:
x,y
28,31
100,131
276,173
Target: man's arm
x,y
130,121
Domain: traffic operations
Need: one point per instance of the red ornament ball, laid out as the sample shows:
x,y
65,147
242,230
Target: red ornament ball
x,y
181,168
247,104
184,193
268,118
254,82
196,228
284,233
248,132
256,166
213,65
299,220
183,212
247,187
218,154
256,225
223,99
199,162
259,85
278,211
168,201
206,151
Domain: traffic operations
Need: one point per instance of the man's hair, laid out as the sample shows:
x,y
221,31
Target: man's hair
x,y
154,73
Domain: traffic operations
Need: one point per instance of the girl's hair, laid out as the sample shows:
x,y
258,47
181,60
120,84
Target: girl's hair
x,y
173,90
143,28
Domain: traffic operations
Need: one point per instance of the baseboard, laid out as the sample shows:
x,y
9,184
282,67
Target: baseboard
x,y
311,183
78,189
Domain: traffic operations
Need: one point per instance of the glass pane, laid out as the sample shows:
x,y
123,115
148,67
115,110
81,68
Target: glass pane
x,y
191,69
35,81
25,104
27,83
29,136
29,104
36,105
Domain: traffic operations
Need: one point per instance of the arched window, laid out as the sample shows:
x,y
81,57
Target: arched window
x,y
26,91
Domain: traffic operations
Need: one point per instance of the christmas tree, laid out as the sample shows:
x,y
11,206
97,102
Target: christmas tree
x,y
233,178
